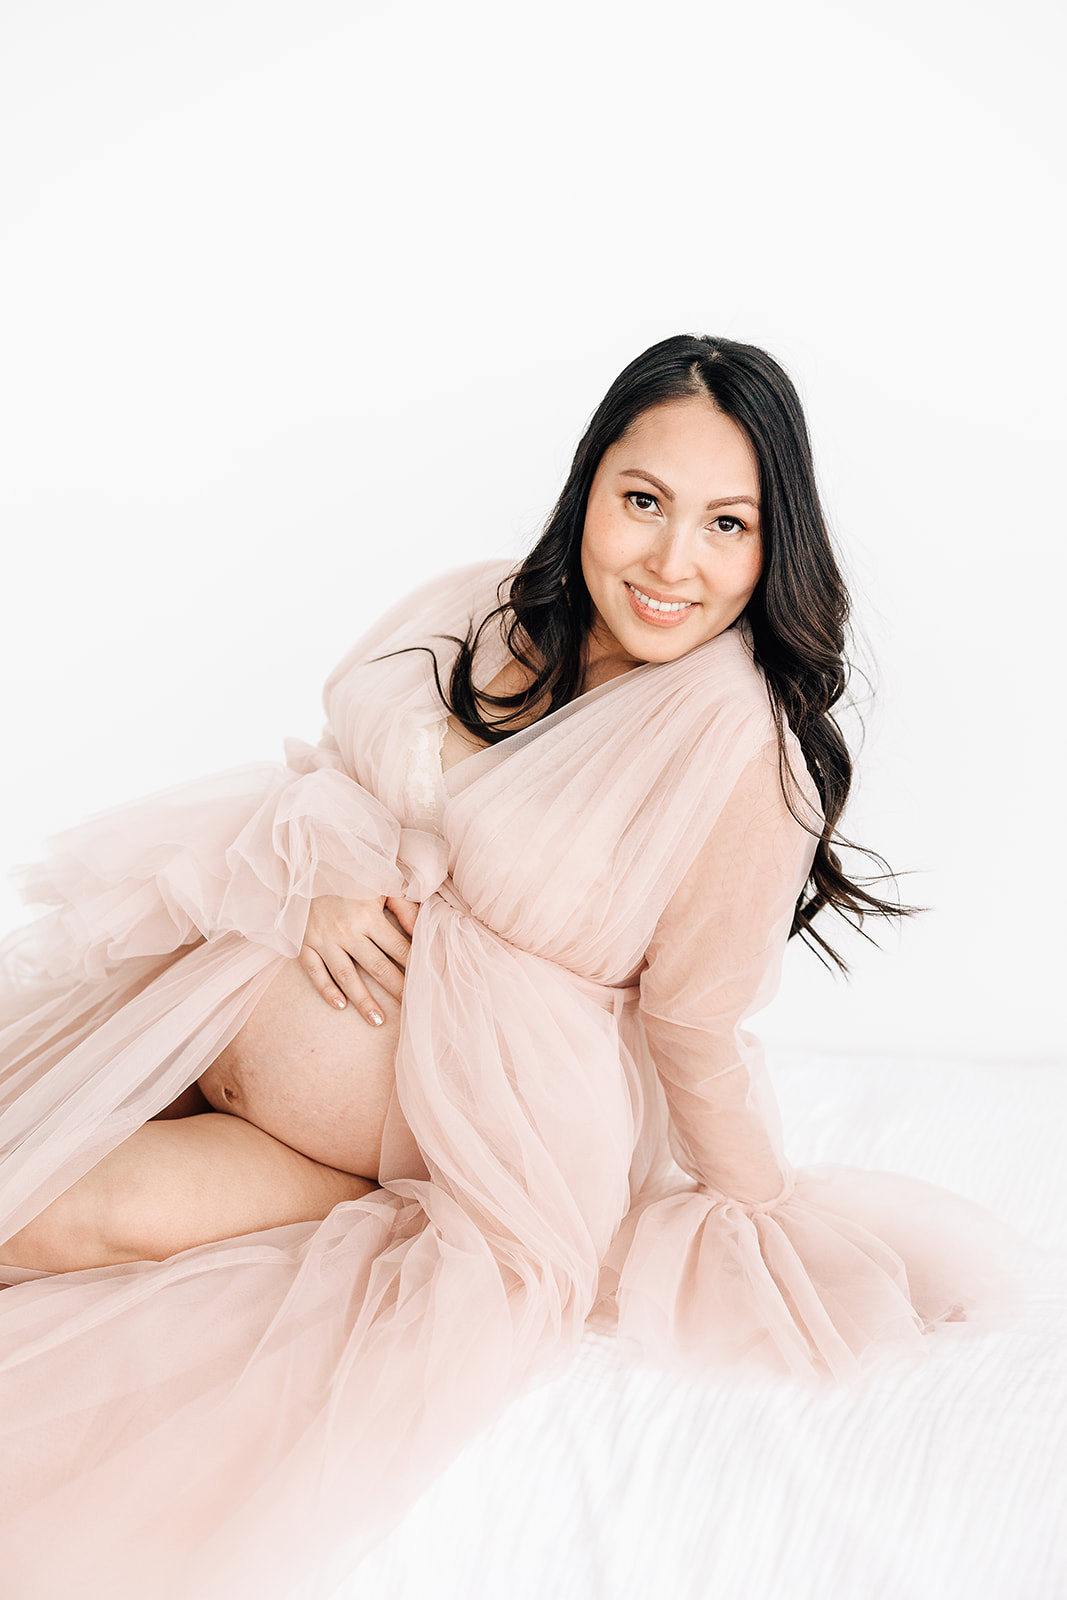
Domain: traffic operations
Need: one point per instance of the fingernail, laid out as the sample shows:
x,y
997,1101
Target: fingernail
x,y
375,1017
340,1002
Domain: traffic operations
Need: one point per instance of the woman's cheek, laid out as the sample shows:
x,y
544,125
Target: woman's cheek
x,y
604,531
606,542
747,568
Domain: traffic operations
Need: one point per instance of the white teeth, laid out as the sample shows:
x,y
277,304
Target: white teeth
x,y
660,605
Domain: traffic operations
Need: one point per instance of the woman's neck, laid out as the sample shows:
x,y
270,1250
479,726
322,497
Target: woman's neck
x,y
602,659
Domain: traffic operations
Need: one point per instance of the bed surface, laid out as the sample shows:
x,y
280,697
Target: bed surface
x,y
943,1482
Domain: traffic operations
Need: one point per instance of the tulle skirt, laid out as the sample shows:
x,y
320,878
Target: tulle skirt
x,y
247,1417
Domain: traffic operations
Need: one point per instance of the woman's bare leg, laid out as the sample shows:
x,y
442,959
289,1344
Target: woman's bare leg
x,y
175,1184
305,1089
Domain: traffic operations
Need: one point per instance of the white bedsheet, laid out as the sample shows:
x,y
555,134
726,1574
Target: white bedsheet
x,y
947,1482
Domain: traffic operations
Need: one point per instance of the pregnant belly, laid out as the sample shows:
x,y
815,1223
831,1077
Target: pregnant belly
x,y
318,1079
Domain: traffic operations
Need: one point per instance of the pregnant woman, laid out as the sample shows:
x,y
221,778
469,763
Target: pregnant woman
x,y
339,1097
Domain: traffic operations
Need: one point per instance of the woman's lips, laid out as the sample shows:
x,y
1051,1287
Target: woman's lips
x,y
658,619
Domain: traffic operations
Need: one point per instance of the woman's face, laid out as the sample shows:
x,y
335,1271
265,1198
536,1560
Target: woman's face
x,y
671,548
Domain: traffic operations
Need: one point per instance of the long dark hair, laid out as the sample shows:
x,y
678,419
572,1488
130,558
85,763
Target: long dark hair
x,y
797,613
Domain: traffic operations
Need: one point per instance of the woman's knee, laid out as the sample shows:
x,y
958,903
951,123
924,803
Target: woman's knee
x,y
67,1236
174,1185
116,1212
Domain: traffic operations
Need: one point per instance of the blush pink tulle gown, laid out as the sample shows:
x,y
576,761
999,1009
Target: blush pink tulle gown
x,y
580,1129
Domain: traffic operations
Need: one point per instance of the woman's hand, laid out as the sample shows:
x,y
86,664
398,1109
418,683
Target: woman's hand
x,y
373,934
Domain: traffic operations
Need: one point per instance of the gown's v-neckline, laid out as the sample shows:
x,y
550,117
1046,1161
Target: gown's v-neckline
x,y
461,774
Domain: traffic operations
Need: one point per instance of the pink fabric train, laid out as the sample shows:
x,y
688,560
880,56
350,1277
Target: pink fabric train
x,y
580,1127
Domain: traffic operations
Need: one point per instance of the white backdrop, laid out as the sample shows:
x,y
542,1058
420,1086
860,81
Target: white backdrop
x,y
302,302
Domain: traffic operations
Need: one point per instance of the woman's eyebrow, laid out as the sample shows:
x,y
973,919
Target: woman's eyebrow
x,y
712,505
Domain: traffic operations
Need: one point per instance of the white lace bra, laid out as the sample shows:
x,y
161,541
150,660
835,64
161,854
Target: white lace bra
x,y
423,776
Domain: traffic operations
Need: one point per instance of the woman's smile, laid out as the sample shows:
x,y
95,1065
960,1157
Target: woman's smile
x,y
660,613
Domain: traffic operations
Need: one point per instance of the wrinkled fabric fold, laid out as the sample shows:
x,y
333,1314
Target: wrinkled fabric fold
x,y
245,852
849,1271
401,1323
582,1126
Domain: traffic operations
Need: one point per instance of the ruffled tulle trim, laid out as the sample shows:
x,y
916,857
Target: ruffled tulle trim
x,y
845,1272
242,852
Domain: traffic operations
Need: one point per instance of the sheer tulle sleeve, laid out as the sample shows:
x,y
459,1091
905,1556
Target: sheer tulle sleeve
x,y
245,851
241,852
715,958
819,1271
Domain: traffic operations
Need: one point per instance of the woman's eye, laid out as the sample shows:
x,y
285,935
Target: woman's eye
x,y
641,500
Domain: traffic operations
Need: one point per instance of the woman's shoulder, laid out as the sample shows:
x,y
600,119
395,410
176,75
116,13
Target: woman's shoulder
x,y
445,603
444,599
721,678
721,703
774,746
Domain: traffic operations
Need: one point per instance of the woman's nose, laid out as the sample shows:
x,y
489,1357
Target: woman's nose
x,y
670,556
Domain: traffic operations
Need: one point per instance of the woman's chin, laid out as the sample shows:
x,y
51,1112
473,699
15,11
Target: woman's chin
x,y
656,646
